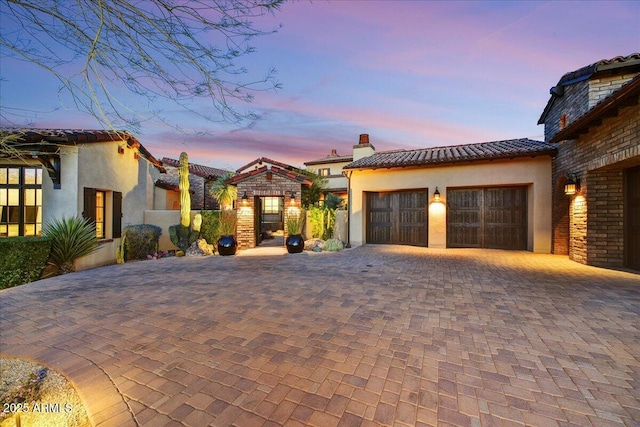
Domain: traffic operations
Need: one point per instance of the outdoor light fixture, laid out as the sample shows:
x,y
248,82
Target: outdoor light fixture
x,y
572,186
436,195
293,198
245,199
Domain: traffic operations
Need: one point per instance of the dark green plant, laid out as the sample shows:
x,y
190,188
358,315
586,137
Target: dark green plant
x,y
141,240
22,260
311,195
210,230
182,236
331,201
71,238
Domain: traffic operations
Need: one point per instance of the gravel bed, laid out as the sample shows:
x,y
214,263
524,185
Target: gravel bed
x,y
59,405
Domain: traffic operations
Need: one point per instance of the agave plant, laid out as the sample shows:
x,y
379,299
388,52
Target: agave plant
x,y
71,238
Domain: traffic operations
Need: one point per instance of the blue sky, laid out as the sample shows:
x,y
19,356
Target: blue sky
x,y
410,74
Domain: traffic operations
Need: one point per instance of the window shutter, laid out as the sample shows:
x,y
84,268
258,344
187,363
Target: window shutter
x,y
89,204
117,214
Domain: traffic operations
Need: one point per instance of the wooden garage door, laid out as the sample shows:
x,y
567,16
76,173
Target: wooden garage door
x,y
398,217
487,218
632,239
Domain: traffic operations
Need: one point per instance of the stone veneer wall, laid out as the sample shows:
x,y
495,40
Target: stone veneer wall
x,y
574,103
589,227
200,198
260,186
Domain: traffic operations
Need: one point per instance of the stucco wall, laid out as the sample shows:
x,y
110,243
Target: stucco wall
x,y
62,202
532,172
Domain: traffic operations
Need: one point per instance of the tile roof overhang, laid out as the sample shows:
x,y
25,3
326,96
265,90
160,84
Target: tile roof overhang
x,y
200,170
627,95
293,176
47,140
330,159
261,160
170,186
615,65
508,149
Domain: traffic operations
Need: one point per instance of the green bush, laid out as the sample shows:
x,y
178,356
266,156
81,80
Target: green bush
x,y
71,238
141,240
322,220
210,230
22,260
333,245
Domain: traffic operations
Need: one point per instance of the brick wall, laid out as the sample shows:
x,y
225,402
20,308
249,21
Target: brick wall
x,y
200,198
602,87
574,103
589,227
260,186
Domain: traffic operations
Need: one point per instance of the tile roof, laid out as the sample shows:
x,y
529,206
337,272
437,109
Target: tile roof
x,y
625,96
200,170
604,65
293,176
171,186
455,154
261,160
43,137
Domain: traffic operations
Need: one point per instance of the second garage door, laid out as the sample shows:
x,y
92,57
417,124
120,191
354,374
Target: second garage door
x,y
493,217
398,217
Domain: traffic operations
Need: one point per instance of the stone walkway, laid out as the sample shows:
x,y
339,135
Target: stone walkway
x,y
377,335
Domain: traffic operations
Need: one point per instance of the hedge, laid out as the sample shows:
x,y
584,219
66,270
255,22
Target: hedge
x,y
142,240
22,260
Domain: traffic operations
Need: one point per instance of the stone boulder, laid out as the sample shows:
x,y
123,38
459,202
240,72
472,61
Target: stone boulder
x,y
200,248
315,245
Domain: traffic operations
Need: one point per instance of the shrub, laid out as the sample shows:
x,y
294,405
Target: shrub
x,y
295,222
22,260
322,220
210,230
141,240
71,238
333,245
227,221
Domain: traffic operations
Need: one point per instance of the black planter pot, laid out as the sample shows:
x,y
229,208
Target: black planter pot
x,y
295,243
227,245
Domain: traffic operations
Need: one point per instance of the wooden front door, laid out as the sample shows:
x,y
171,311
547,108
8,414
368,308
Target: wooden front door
x,y
494,217
632,238
398,217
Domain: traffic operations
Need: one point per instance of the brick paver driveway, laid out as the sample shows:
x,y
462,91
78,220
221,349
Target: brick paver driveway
x,y
378,335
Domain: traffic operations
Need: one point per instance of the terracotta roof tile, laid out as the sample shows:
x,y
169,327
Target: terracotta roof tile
x,y
261,160
275,169
455,154
331,158
78,136
200,170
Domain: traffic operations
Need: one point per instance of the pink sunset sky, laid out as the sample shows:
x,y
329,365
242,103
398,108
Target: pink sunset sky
x,y
410,74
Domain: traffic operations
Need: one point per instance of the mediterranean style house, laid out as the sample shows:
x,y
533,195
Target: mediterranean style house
x,y
330,168
594,117
105,176
488,195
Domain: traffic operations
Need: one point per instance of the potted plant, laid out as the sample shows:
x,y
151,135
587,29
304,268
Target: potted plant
x,y
295,242
227,244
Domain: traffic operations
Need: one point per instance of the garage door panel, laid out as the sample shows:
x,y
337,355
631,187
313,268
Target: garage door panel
x,y
487,217
397,217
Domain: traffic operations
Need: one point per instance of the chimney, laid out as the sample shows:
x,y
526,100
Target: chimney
x,y
364,148
334,152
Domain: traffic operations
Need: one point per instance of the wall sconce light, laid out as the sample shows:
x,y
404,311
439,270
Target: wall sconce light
x,y
572,186
436,195
293,198
245,199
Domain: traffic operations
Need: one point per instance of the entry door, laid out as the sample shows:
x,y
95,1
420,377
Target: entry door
x,y
398,217
492,217
632,237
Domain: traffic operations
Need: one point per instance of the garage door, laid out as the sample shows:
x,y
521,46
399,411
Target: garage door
x,y
398,217
487,218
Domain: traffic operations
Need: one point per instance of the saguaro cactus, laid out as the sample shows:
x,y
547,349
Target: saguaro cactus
x,y
185,197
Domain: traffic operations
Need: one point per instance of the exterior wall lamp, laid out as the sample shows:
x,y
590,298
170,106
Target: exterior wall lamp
x,y
245,199
436,195
293,198
572,186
